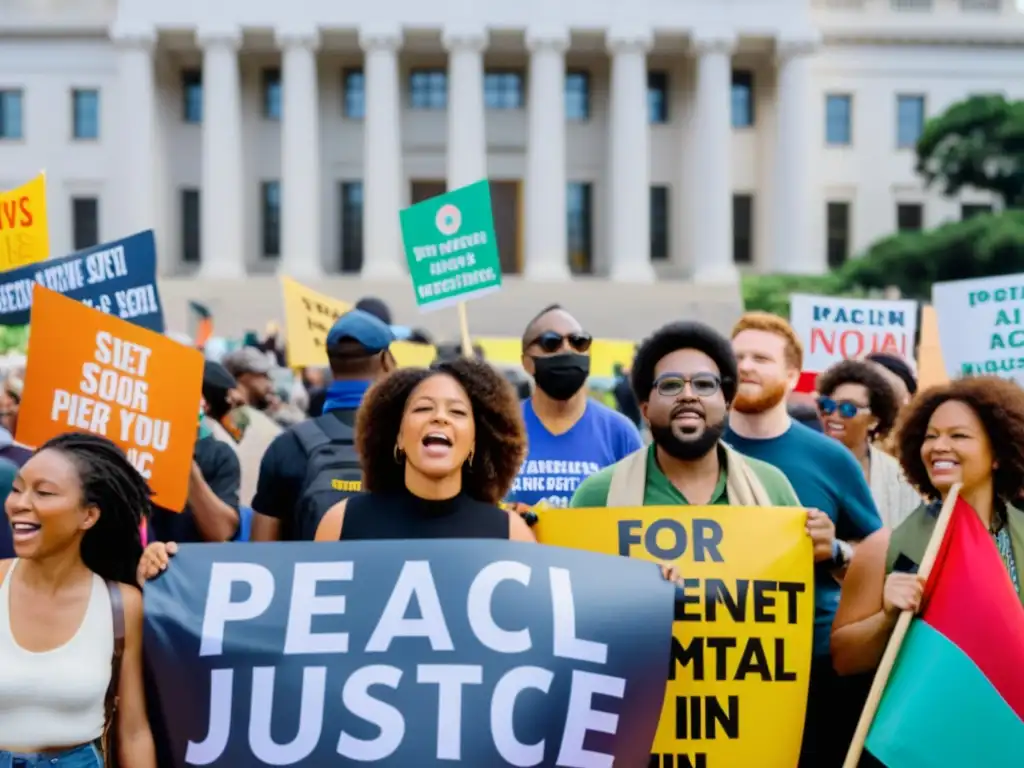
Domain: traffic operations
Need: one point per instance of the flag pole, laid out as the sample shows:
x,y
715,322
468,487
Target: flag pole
x,y
892,649
467,341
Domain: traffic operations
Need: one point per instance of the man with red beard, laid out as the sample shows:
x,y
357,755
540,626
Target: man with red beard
x,y
826,477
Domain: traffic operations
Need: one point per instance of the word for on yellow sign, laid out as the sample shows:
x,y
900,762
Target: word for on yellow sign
x,y
741,645
24,228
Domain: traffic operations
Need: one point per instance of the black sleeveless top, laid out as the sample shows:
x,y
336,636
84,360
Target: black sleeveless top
x,y
401,515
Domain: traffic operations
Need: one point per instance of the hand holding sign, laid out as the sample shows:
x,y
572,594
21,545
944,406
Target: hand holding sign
x,y
92,372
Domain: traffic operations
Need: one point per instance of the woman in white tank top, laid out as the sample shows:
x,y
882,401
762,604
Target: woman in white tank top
x,y
75,512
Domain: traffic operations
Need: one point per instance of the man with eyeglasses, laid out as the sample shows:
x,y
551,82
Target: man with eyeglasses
x,y
684,377
571,436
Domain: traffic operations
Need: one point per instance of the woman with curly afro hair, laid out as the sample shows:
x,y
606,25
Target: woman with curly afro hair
x,y
971,432
439,447
857,407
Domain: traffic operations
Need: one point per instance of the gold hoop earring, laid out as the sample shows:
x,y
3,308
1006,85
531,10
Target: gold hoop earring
x,y
399,454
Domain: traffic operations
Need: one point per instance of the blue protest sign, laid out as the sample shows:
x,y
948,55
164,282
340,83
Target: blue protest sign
x,y
118,278
407,653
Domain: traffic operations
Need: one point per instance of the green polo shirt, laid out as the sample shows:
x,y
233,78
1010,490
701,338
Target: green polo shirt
x,y
593,492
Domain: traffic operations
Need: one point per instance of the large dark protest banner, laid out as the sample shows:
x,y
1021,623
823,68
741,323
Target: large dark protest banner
x,y
118,278
407,653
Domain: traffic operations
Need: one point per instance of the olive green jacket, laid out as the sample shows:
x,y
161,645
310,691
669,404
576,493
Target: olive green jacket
x,y
910,539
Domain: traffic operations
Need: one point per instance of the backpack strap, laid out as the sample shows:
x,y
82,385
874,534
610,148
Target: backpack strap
x,y
336,430
112,697
311,435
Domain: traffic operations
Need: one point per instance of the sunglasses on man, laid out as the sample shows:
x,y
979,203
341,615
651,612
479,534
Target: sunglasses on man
x,y
552,341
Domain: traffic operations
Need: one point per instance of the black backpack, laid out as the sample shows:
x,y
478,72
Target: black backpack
x,y
332,471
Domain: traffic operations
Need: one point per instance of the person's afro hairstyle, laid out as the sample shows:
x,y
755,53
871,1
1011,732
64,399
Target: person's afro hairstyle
x,y
998,404
683,335
881,395
500,434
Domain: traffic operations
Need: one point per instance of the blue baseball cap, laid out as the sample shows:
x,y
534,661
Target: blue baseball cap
x,y
369,332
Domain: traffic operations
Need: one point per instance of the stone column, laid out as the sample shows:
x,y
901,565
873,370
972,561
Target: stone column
x,y
629,216
467,140
221,217
382,157
795,248
547,256
137,144
711,169
301,255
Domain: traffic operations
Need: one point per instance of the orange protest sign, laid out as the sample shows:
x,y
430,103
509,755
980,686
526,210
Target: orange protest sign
x,y
88,371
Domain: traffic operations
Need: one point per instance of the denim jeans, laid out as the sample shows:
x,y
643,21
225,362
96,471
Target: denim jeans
x,y
85,756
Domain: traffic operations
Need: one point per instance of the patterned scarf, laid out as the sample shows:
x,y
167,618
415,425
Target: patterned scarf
x,y
1005,547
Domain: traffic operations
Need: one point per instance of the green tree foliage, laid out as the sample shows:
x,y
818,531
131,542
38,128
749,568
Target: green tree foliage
x,y
977,143
979,247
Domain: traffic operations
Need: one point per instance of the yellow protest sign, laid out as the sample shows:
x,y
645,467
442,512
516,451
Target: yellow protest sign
x,y
931,370
24,228
410,355
741,647
308,316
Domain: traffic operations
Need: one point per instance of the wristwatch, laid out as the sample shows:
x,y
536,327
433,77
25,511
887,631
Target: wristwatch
x,y
841,554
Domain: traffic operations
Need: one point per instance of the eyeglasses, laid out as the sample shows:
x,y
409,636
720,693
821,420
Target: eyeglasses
x,y
673,384
552,341
845,408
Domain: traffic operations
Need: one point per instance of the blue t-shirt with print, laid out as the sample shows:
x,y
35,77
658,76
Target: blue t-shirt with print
x,y
556,464
825,476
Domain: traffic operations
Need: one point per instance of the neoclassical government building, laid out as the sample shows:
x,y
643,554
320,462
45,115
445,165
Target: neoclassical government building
x,y
627,142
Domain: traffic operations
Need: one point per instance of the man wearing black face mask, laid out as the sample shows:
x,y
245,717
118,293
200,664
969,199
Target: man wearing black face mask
x,y
684,377
571,436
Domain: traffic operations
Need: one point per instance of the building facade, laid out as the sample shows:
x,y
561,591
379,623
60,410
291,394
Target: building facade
x,y
628,140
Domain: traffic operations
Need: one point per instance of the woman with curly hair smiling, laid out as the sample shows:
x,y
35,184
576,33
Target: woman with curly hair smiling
x,y
969,431
857,407
439,447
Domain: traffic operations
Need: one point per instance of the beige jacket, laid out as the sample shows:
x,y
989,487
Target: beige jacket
x,y
893,495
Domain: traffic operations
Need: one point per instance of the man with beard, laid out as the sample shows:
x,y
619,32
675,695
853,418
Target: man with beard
x,y
571,436
826,477
684,377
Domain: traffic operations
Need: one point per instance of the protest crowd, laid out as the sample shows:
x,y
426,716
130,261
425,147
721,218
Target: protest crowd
x,y
796,528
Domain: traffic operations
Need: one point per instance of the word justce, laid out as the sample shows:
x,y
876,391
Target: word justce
x,y
114,383
373,725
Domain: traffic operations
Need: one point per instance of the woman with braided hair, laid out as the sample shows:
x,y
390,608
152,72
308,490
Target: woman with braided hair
x,y
71,681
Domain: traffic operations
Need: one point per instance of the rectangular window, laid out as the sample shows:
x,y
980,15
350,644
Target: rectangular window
x,y
838,216
428,89
85,222
909,120
354,84
272,94
838,119
659,223
657,97
970,210
85,113
909,217
192,95
11,114
742,98
270,205
190,226
577,95
743,229
503,89
351,226
578,199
